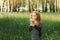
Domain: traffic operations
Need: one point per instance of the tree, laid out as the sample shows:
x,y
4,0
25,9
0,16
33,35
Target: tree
x,y
52,6
43,6
46,6
56,6
29,5
14,5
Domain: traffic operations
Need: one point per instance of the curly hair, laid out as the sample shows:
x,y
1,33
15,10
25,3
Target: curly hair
x,y
35,18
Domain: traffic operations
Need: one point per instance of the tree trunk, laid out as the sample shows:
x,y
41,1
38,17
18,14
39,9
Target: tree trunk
x,y
1,6
42,6
14,6
53,8
46,6
29,6
56,5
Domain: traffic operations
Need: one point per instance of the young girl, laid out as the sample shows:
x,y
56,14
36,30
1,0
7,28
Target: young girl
x,y
35,25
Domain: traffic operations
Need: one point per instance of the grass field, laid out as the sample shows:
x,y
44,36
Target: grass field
x,y
15,26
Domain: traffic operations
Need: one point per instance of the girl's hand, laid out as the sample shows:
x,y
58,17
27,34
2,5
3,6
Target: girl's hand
x,y
32,24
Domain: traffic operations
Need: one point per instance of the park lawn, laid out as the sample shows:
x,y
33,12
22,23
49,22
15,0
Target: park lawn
x,y
15,26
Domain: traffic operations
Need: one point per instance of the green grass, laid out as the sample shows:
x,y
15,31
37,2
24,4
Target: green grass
x,y
15,26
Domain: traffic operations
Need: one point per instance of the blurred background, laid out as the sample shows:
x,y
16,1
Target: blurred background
x,y
14,19
30,5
